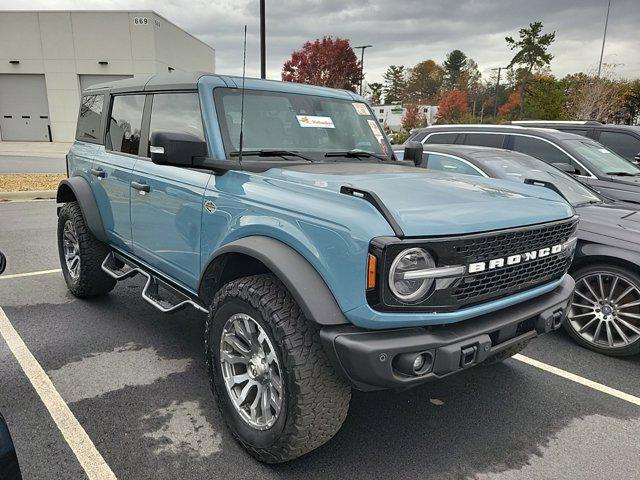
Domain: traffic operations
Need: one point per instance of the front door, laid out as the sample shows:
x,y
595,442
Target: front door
x,y
166,201
113,166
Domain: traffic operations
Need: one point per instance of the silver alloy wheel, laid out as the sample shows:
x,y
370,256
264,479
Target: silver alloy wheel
x,y
606,310
251,371
71,249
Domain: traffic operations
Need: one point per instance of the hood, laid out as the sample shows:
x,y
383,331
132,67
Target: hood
x,y
435,203
620,221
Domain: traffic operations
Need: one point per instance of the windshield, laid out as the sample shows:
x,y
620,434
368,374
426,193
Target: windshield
x,y
310,124
603,158
522,167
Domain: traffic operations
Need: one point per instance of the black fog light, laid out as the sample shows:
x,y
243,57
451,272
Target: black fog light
x,y
414,363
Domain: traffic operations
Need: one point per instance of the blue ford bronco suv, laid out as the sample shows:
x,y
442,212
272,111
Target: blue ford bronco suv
x,y
323,263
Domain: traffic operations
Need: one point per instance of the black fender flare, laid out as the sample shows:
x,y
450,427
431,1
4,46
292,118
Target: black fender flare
x,y
78,189
302,280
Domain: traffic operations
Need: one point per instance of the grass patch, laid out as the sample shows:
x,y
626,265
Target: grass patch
x,y
26,182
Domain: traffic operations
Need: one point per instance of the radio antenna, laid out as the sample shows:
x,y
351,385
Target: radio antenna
x,y
244,63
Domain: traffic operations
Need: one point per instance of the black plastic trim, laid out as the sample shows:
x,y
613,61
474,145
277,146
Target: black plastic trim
x,y
84,196
379,205
302,280
365,357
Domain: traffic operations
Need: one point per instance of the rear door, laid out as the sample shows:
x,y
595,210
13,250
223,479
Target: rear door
x,y
166,215
113,166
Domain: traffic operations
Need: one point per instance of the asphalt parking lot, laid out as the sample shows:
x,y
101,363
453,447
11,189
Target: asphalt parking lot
x,y
136,383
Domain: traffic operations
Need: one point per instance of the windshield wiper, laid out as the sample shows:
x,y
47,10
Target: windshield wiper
x,y
271,153
356,154
623,174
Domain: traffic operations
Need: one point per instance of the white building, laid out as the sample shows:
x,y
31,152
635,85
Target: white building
x,y
48,57
390,116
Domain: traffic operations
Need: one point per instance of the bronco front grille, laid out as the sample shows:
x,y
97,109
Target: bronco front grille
x,y
490,284
479,287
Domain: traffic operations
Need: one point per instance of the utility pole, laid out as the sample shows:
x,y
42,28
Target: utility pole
x,y
362,48
604,37
263,46
495,105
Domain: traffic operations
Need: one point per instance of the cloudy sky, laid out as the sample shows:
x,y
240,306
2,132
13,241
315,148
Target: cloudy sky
x,y
402,32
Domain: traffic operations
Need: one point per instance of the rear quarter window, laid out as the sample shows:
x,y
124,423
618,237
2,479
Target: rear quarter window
x,y
89,126
441,138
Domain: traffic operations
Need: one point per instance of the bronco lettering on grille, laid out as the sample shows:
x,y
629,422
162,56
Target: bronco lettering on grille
x,y
514,259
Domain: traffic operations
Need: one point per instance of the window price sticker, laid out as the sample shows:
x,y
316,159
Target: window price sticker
x,y
361,108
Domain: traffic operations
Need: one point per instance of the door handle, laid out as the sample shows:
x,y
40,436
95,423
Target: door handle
x,y
98,172
141,187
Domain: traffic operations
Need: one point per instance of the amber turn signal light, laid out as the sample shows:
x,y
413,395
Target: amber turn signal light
x,y
371,272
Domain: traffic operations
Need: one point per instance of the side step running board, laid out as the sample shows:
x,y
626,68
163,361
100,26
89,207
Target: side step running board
x,y
120,268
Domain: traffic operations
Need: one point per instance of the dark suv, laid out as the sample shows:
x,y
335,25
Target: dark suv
x,y
622,139
591,163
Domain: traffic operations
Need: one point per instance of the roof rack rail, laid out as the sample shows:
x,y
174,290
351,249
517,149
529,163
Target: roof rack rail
x,y
564,122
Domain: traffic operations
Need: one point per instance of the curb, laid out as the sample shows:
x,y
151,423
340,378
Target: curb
x,y
30,195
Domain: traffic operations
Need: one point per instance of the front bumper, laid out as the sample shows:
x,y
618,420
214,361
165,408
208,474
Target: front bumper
x,y
369,359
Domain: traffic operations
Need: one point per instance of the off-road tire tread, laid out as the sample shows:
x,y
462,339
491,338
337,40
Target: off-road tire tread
x,y
320,401
92,281
506,353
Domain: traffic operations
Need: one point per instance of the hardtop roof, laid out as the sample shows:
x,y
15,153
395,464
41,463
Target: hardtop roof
x,y
190,80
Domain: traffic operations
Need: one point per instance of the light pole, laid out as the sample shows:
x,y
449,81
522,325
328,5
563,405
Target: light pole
x,y
495,105
604,37
263,47
362,48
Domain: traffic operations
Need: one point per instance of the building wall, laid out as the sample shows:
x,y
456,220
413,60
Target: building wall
x,y
390,116
64,45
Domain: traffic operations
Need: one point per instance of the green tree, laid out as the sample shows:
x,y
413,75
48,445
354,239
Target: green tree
x,y
425,82
375,93
395,83
531,52
545,98
454,65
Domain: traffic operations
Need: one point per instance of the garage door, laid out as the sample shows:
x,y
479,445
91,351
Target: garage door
x,y
24,110
88,80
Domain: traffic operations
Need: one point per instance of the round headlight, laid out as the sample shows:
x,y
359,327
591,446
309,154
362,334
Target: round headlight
x,y
411,259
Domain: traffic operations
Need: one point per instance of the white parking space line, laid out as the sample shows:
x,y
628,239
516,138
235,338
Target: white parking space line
x,y
578,379
73,433
29,274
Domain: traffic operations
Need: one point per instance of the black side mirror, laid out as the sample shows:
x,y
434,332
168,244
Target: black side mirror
x,y
3,262
566,167
636,160
413,152
176,148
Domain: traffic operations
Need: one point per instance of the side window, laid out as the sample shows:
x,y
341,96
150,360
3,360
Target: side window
x,y
125,123
484,139
418,137
449,164
442,138
542,150
90,118
623,144
176,112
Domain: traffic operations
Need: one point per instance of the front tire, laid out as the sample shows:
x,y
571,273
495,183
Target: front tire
x,y
81,255
257,340
605,312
